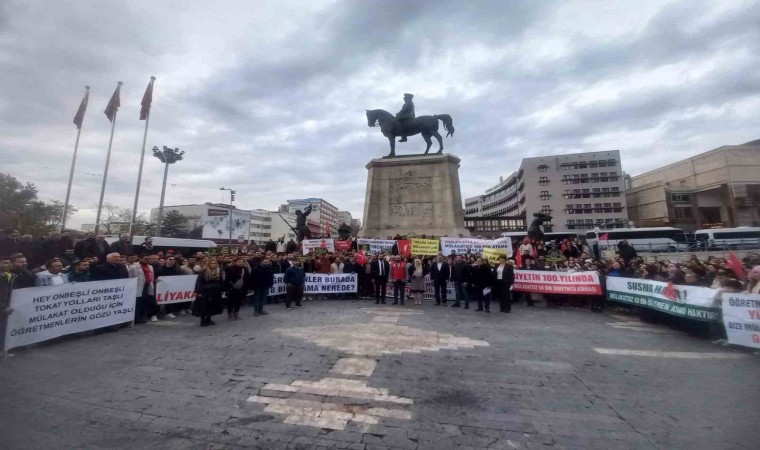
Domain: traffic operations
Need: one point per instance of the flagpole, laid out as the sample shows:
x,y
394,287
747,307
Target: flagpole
x,y
105,171
139,174
71,174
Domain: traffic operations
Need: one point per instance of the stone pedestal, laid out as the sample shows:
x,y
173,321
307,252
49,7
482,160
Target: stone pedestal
x,y
416,194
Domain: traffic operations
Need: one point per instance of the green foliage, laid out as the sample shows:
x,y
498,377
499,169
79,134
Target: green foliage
x,y
22,210
174,224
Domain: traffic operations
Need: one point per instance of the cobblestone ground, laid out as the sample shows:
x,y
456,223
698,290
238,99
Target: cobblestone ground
x,y
346,374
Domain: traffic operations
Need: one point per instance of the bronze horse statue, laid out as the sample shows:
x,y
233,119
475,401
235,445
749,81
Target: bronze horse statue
x,y
425,125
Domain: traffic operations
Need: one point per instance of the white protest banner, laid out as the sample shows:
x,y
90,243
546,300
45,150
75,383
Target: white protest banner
x,y
375,245
691,302
741,317
47,312
175,289
278,288
323,283
310,245
568,283
461,246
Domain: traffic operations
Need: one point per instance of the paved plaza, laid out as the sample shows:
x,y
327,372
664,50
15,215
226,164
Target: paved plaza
x,y
353,375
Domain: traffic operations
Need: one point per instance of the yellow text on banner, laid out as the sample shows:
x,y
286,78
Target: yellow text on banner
x,y
492,254
424,246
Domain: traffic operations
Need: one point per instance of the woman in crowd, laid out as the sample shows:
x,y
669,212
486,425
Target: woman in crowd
x,y
504,276
169,269
235,276
417,287
209,293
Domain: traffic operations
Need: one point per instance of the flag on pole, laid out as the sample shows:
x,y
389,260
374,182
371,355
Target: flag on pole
x,y
114,103
735,264
147,100
604,237
79,117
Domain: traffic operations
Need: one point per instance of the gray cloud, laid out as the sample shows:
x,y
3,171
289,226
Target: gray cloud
x,y
270,98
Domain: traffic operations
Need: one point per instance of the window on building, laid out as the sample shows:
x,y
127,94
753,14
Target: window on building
x,y
602,163
582,165
611,163
543,168
680,198
545,195
543,181
546,209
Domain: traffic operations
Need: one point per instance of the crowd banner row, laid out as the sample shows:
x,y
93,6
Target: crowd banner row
x,y
566,283
741,317
309,245
175,289
47,312
691,302
320,283
461,246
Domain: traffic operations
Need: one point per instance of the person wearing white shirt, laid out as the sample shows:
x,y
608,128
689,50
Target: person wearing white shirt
x,y
53,276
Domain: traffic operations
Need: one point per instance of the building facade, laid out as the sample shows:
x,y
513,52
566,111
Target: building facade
x,y
214,221
718,188
580,191
261,226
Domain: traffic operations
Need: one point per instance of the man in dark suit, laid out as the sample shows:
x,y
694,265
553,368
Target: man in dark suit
x,y
440,272
113,269
379,269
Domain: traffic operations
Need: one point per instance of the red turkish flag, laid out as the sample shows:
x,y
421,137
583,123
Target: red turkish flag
x,y
361,258
603,237
404,247
735,264
670,292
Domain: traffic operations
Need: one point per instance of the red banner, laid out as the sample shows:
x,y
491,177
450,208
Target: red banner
x,y
568,283
343,245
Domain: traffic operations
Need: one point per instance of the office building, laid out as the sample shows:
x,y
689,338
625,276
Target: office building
x,y
580,191
719,188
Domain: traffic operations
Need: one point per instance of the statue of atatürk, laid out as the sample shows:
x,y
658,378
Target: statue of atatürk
x,y
535,232
406,124
344,232
302,230
406,113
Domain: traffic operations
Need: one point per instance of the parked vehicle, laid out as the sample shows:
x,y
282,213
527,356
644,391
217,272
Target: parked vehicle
x,y
728,238
655,239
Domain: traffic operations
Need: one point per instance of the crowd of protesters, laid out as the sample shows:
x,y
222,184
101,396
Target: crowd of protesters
x,y
230,281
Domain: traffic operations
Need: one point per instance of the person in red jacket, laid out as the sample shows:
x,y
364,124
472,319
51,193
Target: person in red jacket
x,y
398,277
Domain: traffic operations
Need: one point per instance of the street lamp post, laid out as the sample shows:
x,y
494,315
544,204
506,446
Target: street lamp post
x,y
167,156
232,199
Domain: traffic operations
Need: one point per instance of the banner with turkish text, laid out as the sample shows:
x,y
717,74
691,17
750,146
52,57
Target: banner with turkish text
x,y
175,289
741,317
566,283
47,312
424,246
462,246
691,302
310,245
373,246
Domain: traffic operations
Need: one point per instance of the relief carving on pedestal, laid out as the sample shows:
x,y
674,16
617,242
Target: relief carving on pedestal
x,y
411,196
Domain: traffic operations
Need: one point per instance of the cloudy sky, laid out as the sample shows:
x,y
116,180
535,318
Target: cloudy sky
x,y
270,97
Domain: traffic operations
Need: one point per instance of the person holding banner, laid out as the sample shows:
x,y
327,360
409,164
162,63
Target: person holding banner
x,y
294,279
504,277
208,300
482,279
235,277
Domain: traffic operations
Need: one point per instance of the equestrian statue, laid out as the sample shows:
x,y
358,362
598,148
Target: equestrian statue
x,y
406,124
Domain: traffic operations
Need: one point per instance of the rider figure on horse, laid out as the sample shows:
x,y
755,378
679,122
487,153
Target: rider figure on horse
x,y
406,114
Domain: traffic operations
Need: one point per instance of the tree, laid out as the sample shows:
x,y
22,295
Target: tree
x,y
21,209
174,224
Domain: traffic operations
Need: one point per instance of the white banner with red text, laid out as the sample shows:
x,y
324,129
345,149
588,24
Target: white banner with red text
x,y
175,289
741,317
566,283
47,312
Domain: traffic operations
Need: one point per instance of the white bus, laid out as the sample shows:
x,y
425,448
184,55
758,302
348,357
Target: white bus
x,y
728,238
655,239
549,236
184,246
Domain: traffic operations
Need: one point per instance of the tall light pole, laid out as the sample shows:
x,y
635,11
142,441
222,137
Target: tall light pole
x,y
167,156
232,199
